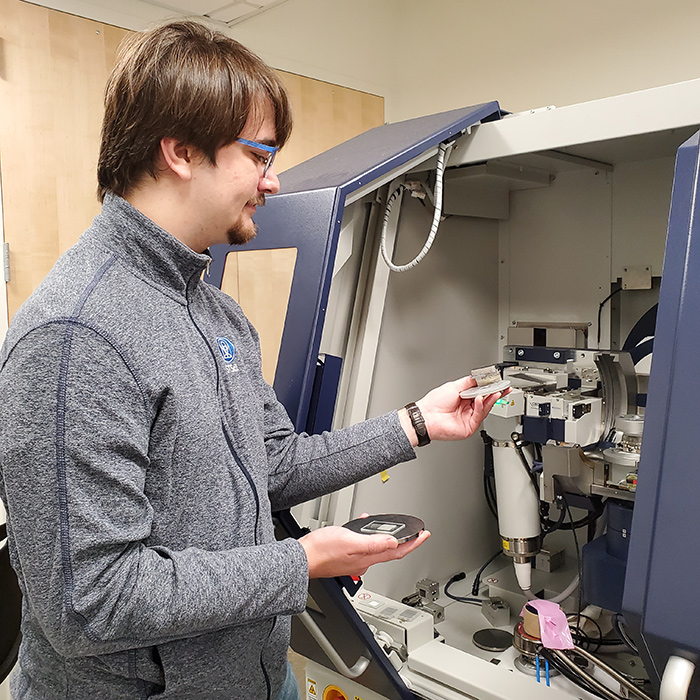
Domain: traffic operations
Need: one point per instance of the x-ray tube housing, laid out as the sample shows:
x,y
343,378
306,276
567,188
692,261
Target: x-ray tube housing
x,y
518,511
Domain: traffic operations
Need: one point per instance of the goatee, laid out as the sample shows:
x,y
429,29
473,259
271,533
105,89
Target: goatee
x,y
245,231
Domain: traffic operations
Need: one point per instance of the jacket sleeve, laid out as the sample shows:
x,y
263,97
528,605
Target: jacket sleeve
x,y
75,427
306,466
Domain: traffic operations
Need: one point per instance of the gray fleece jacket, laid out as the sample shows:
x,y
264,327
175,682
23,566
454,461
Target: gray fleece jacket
x,y
141,454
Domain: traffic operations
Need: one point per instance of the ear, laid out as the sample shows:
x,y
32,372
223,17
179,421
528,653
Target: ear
x,y
178,157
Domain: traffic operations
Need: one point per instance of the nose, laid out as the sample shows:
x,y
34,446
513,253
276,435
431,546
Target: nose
x,y
269,184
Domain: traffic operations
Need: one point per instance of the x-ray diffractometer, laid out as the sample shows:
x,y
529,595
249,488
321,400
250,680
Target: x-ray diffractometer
x,y
537,249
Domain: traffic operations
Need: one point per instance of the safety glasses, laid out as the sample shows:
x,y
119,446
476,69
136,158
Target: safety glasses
x,y
270,152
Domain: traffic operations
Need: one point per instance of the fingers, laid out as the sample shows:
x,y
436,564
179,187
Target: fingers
x,y
489,401
401,550
485,405
379,548
411,545
377,544
336,551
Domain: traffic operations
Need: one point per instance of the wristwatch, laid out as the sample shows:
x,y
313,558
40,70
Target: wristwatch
x,y
418,424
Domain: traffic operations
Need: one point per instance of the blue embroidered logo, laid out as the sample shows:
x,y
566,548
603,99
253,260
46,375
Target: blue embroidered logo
x,y
227,349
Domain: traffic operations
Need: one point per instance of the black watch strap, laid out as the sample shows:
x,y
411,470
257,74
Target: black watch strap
x,y
418,423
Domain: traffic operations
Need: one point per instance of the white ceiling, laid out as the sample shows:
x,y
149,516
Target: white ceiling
x,y
222,10
137,14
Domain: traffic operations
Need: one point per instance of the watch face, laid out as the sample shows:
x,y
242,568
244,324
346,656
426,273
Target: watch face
x,y
402,527
418,423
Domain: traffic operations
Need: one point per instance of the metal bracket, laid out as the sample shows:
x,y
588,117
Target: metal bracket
x,y
357,669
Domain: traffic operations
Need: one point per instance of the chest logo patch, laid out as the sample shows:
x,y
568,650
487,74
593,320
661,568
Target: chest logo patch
x,y
227,349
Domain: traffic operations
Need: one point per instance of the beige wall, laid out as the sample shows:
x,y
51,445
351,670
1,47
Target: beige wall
x,y
426,57
431,56
541,52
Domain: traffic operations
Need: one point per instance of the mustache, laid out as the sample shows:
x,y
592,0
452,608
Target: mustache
x,y
258,201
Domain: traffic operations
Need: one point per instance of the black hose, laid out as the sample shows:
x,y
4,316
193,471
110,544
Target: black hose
x,y
460,599
489,492
515,437
550,525
576,525
490,496
600,308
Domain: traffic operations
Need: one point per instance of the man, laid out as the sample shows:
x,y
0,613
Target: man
x,y
139,473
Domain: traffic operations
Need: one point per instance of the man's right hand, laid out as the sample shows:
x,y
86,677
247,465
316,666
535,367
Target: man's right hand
x,y
337,551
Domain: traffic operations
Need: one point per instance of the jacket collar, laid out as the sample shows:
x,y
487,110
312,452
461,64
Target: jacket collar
x,y
145,247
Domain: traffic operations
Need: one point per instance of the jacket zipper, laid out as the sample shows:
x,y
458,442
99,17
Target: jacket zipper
x,y
247,475
229,441
262,663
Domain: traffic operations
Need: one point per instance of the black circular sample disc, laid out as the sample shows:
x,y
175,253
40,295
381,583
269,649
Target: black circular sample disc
x,y
402,527
491,639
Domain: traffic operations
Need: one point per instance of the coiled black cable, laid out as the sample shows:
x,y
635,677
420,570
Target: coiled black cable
x,y
488,480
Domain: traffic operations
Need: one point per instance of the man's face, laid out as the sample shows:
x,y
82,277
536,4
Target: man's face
x,y
230,191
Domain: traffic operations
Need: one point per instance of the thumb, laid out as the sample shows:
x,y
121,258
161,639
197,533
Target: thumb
x,y
465,383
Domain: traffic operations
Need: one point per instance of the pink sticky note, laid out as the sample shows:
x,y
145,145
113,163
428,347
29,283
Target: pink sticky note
x,y
554,627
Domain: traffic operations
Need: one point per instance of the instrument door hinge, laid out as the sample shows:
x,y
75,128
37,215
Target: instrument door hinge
x,y
6,262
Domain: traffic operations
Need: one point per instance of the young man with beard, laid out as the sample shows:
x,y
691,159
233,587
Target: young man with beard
x,y
138,473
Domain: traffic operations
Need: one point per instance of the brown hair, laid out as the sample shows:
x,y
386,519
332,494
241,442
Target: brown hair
x,y
188,82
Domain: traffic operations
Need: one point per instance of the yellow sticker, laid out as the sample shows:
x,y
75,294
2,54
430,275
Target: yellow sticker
x,y
385,476
506,545
312,687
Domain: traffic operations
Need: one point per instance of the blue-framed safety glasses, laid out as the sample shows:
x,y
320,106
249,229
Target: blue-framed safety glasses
x,y
270,150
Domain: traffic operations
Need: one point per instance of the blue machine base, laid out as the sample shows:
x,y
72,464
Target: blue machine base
x,y
603,576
